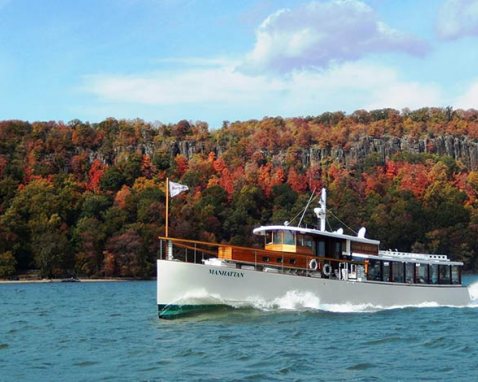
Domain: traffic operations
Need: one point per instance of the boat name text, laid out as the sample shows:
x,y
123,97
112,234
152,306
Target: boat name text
x,y
219,272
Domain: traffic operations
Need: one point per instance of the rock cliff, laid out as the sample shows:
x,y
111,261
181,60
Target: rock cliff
x,y
462,149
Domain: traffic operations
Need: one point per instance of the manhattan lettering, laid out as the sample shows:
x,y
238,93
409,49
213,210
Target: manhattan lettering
x,y
219,272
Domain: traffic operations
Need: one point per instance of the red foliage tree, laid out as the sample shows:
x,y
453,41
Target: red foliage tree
x,y
270,177
121,195
181,165
79,165
219,165
211,157
97,170
147,168
226,181
3,164
414,178
296,181
313,174
391,169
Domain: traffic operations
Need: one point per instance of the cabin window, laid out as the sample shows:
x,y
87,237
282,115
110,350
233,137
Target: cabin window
x,y
338,249
369,249
289,238
265,259
422,273
279,259
277,237
433,273
269,237
304,241
292,261
321,248
386,271
444,272
409,273
397,272
374,270
455,275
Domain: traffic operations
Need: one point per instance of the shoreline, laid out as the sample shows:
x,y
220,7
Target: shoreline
x,y
82,280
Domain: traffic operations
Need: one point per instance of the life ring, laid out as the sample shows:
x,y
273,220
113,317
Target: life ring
x,y
327,270
313,265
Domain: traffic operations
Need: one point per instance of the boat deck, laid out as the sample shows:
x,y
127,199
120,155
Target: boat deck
x,y
386,267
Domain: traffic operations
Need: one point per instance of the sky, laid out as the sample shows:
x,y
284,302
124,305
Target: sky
x,y
228,60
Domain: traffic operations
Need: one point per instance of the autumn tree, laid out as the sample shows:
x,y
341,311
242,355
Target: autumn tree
x,y
7,264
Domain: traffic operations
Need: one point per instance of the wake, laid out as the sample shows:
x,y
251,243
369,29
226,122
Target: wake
x,y
473,291
306,301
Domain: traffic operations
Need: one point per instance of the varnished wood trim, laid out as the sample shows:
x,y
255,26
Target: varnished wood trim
x,y
257,251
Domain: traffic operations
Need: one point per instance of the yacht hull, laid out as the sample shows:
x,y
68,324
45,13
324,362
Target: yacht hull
x,y
186,288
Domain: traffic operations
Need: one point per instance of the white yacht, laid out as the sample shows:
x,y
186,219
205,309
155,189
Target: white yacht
x,y
334,267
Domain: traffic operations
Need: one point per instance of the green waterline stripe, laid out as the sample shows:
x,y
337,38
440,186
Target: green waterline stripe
x,y
173,311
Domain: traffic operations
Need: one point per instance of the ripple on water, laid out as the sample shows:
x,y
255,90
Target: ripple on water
x,y
191,353
438,342
285,370
385,340
85,363
361,366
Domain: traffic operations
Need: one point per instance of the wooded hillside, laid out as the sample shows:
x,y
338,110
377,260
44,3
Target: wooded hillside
x,y
87,199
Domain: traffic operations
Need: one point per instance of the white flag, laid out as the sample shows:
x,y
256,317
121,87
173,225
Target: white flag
x,y
176,188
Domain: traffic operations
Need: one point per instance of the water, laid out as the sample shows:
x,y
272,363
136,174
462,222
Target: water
x,y
110,331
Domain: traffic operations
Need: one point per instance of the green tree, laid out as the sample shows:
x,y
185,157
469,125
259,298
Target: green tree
x,y
94,205
126,250
8,189
248,209
89,238
283,200
112,179
7,264
130,168
51,248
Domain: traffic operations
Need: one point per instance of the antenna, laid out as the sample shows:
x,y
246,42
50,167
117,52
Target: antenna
x,y
307,206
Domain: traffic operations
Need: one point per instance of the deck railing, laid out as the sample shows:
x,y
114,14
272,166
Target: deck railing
x,y
195,251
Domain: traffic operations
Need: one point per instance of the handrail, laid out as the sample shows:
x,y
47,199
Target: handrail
x,y
212,253
257,250
206,243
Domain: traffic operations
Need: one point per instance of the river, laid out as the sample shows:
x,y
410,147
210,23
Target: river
x,y
110,331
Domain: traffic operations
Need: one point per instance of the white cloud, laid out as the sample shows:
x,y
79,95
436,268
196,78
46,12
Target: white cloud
x,y
408,94
348,87
199,85
320,33
358,85
468,100
457,18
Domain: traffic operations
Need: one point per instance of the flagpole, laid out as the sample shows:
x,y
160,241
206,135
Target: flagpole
x,y
167,206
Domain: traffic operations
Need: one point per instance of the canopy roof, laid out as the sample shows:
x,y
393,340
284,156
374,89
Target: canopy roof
x,y
313,232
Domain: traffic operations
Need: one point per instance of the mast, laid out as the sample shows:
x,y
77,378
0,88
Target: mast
x,y
170,243
167,207
321,212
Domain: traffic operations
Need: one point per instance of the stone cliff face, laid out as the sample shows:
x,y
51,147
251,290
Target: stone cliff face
x,y
462,149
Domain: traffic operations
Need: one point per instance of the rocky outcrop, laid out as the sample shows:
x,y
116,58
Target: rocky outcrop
x,y
461,149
